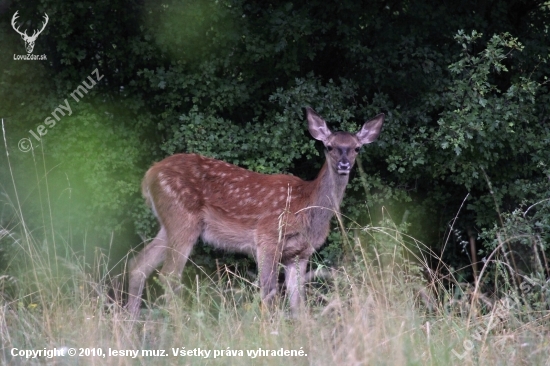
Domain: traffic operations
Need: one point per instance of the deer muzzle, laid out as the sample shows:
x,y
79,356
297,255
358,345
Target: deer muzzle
x,y
344,167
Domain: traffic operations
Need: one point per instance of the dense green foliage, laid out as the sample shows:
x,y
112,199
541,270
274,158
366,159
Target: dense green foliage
x,y
463,86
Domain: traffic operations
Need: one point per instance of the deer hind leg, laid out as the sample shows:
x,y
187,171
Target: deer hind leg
x,y
182,240
142,266
295,271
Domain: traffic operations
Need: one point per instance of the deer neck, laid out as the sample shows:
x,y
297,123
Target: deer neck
x,y
328,192
330,188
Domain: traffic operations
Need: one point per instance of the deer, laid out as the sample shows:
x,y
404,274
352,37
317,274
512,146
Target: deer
x,y
29,40
279,219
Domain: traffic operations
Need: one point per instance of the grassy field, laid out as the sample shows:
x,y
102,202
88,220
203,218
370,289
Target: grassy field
x,y
376,310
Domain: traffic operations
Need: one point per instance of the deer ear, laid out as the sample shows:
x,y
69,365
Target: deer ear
x,y
317,126
370,130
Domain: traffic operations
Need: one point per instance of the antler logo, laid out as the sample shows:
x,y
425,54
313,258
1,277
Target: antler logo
x,y
29,40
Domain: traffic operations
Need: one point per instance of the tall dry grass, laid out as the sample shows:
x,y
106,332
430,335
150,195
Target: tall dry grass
x,y
373,311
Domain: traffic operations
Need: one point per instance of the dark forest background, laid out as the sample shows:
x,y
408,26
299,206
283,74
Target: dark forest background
x,y
463,156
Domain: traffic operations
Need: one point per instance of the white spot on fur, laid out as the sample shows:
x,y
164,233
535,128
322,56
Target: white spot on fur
x,y
166,186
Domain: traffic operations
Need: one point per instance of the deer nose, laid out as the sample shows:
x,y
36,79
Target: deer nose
x,y
344,167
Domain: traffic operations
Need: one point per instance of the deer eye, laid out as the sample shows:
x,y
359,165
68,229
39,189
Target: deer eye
x,y
357,149
329,148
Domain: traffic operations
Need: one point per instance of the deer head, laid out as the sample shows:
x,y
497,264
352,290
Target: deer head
x,y
341,148
29,40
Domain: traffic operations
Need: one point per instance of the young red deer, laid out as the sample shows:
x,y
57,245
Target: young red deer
x,y
277,219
